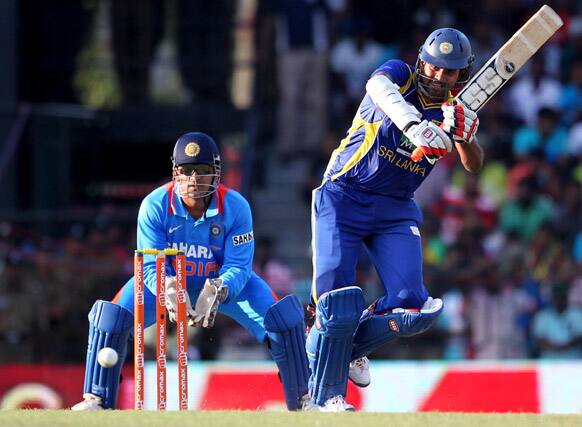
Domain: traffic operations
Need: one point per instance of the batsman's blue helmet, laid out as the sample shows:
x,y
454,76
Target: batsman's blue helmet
x,y
444,48
447,48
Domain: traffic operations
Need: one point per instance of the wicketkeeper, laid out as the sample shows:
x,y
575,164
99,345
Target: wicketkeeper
x,y
213,226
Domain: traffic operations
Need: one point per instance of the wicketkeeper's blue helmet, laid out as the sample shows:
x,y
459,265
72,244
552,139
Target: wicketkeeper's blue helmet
x,y
195,147
445,48
196,156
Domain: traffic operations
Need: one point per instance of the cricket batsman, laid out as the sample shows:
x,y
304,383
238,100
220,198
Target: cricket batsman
x,y
212,224
367,198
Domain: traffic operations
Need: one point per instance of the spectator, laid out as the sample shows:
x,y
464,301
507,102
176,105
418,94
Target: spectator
x,y
352,61
531,164
497,129
570,210
571,98
547,135
303,45
533,91
461,206
558,328
575,138
493,312
453,323
525,213
277,275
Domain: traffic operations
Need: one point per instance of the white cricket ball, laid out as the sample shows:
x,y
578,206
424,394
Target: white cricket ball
x,y
107,357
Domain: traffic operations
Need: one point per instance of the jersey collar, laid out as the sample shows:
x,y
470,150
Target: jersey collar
x,y
212,209
179,208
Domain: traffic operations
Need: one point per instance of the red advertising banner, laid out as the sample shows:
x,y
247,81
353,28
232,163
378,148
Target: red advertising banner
x,y
534,387
484,391
252,391
42,386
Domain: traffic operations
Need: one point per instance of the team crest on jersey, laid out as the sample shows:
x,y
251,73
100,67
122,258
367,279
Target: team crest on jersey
x,y
446,47
192,149
215,230
241,239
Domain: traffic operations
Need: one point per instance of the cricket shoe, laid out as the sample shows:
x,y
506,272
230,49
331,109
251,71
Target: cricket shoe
x,y
91,403
359,372
336,404
307,404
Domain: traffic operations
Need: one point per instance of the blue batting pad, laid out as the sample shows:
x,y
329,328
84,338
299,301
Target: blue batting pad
x,y
329,343
285,326
109,326
376,330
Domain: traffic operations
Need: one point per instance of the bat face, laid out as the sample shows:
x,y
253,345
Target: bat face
x,y
510,58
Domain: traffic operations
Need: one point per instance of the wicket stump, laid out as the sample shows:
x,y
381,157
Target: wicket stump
x,y
181,326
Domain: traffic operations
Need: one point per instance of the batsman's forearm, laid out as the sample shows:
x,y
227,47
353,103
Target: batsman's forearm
x,y
471,156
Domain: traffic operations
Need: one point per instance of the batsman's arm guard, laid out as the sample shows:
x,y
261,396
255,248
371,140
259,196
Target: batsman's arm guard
x,y
376,330
109,326
285,326
386,95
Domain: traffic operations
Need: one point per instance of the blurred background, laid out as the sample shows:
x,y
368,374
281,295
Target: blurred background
x,y
94,93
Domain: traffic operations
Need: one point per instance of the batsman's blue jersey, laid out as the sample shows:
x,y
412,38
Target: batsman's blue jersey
x,y
366,199
219,244
375,155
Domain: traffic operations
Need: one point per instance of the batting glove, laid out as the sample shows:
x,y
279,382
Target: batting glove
x,y
430,139
460,122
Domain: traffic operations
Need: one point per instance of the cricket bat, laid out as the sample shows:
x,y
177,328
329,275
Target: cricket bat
x,y
507,61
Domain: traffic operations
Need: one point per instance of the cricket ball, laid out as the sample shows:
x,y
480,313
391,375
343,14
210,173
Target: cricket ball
x,y
107,357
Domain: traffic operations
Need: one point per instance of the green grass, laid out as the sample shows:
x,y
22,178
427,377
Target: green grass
x,y
280,419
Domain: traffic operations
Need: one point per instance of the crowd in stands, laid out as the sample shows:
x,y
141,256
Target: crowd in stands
x,y
50,280
503,248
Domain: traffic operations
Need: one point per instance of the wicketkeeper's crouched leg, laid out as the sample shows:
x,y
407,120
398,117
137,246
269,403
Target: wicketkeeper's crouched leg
x,y
109,326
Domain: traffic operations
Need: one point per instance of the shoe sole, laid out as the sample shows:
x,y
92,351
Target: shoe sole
x,y
361,385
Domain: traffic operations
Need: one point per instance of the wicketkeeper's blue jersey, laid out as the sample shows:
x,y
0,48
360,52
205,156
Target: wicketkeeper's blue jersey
x,y
219,244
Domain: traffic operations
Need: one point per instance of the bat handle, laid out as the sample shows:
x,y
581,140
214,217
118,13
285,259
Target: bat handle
x,y
416,155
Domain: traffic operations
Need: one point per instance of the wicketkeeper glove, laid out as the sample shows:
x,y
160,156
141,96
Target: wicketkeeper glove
x,y
212,294
172,301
